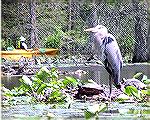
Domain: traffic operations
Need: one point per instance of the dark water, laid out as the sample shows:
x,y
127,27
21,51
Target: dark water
x,y
94,72
11,81
115,111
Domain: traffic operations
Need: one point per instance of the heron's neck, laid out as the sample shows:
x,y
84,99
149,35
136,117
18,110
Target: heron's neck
x,y
99,38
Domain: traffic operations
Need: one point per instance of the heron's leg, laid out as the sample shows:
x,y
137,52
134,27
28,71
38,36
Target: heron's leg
x,y
110,87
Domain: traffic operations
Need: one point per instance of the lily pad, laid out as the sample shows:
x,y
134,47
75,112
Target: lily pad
x,y
92,111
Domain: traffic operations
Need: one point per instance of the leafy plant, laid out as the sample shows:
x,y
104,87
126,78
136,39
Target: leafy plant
x,y
45,86
54,40
147,81
132,91
70,81
7,44
94,110
140,76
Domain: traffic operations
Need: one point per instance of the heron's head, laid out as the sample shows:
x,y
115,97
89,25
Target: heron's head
x,y
100,31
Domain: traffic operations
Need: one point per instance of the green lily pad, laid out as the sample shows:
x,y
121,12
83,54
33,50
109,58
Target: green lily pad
x,y
92,111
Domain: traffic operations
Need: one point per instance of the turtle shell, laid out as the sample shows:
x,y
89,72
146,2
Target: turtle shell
x,y
90,89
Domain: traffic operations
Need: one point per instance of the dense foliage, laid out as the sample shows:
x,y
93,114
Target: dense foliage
x,y
60,24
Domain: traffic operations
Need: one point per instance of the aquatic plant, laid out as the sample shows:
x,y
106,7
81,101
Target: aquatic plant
x,y
138,93
93,110
45,86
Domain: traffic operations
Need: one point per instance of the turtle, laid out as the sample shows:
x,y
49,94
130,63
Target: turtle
x,y
89,89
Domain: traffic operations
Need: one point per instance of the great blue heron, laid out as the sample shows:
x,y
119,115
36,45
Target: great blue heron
x,y
111,55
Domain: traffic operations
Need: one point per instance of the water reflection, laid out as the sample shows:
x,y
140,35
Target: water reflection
x,y
94,72
76,112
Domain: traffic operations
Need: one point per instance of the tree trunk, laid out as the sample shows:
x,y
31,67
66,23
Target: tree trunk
x,y
70,16
92,22
33,31
148,40
148,33
140,48
92,19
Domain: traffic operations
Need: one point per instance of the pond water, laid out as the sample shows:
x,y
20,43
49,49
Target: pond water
x,y
114,111
95,72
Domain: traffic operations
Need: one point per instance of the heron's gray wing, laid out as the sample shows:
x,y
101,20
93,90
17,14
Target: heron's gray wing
x,y
114,59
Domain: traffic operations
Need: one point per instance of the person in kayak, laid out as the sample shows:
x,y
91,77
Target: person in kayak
x,y
22,44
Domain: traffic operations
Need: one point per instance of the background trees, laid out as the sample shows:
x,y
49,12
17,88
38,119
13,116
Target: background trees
x,y
60,24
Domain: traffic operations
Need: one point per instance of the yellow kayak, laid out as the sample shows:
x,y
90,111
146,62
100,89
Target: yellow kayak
x,y
16,54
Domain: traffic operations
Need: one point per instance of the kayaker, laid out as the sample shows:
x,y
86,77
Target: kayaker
x,y
22,44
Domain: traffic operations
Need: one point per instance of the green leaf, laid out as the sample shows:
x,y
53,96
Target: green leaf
x,y
26,80
70,81
41,88
36,80
102,107
129,90
146,92
53,69
26,87
138,76
146,81
56,94
144,77
132,91
88,114
93,110
43,74
146,104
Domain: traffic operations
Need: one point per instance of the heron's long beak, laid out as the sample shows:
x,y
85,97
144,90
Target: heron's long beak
x,y
89,29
